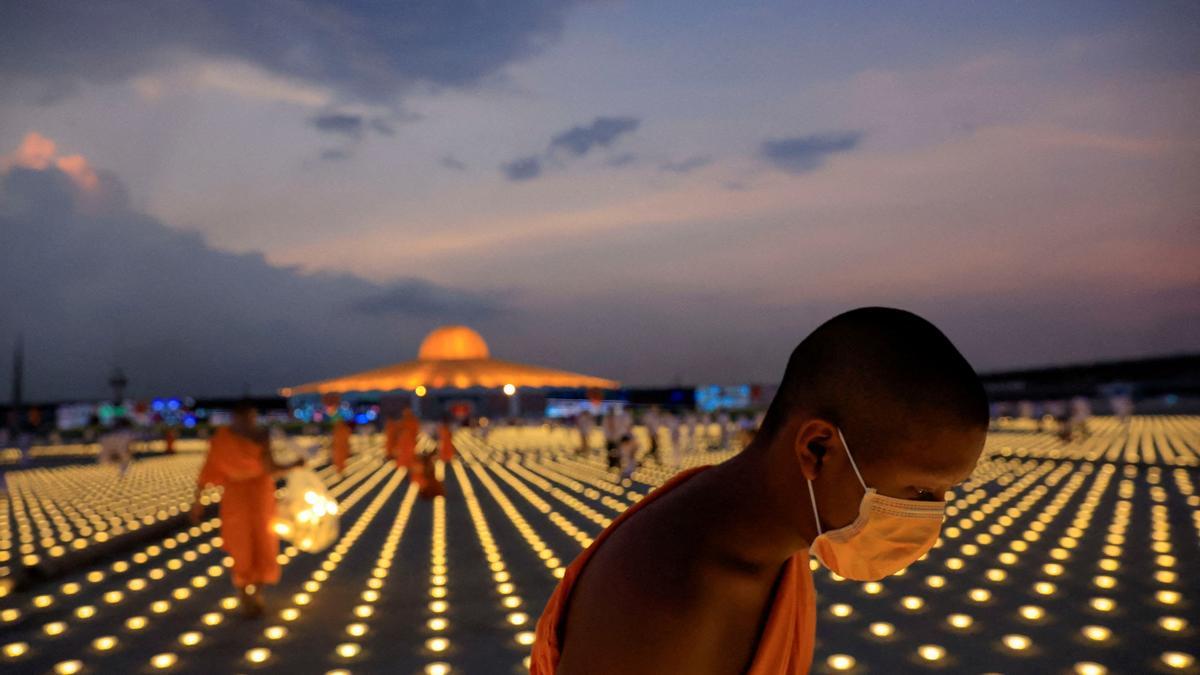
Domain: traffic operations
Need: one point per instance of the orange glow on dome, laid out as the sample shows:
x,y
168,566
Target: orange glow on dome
x,y
451,357
453,343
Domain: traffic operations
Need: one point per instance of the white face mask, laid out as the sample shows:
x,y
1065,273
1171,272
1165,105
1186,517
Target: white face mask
x,y
888,535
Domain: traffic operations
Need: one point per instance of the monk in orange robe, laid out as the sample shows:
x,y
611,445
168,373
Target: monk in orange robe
x,y
424,476
340,445
710,574
406,440
445,441
239,459
391,438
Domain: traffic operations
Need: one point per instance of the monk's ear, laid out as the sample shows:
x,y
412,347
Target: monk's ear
x,y
811,441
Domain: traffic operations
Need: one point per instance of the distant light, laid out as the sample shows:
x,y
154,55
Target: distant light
x,y
509,389
882,629
420,390
1090,668
960,621
14,650
1167,597
437,644
163,661
68,667
525,638
1016,642
840,662
1172,623
258,655
104,643
348,650
1178,660
1032,612
437,668
931,652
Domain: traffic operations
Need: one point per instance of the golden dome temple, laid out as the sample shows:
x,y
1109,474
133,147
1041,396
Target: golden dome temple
x,y
452,357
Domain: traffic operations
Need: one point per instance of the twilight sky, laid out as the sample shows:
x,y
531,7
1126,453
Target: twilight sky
x,y
221,195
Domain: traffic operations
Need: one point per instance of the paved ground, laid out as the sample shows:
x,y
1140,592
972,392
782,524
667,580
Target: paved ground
x,y
1053,557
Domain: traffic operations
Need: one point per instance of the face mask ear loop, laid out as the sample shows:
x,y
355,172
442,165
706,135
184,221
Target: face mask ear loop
x,y
851,458
813,498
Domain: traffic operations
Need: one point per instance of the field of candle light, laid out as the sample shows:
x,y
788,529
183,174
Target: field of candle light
x,y
1054,558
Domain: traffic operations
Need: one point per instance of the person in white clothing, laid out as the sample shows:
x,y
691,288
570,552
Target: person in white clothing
x,y
585,423
671,421
116,446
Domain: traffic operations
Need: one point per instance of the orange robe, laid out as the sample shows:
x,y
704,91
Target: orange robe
x,y
445,443
784,648
247,506
391,438
406,442
340,448
428,486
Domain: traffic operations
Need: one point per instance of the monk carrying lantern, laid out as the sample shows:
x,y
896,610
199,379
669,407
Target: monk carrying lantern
x,y
239,459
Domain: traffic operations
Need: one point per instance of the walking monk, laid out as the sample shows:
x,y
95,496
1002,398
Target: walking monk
x,y
445,440
406,439
877,416
239,459
340,445
391,437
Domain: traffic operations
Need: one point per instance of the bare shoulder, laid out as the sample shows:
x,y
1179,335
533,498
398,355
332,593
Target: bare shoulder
x,y
651,599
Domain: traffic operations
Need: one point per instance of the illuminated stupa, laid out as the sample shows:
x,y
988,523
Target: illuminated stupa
x,y
452,357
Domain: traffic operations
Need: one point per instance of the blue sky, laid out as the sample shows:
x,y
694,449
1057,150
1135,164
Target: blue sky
x,y
647,191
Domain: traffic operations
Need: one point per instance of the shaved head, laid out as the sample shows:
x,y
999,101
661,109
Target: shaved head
x,y
888,378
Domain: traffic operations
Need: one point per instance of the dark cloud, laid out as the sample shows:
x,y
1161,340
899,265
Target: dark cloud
x,y
623,159
686,165
802,154
419,298
383,126
575,142
452,162
602,132
350,126
366,51
525,168
92,283
335,154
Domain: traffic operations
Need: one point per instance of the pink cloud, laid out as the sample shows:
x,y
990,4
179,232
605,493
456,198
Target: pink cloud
x,y
40,153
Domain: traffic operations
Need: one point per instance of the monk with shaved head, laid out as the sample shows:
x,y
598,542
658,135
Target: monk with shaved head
x,y
877,416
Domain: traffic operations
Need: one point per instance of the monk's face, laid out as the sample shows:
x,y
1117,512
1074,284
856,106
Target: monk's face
x,y
246,419
921,468
926,466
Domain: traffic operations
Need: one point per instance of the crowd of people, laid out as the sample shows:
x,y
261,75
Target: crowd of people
x,y
668,437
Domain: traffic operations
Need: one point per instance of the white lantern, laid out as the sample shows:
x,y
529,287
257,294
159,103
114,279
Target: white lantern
x,y
306,514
